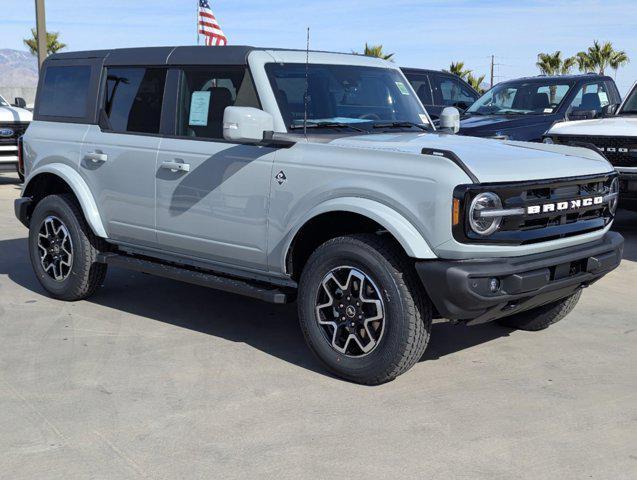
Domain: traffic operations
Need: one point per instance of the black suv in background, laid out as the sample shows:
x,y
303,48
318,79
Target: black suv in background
x,y
438,90
524,109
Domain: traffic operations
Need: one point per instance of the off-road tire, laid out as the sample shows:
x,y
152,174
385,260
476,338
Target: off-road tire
x,y
86,274
542,317
408,311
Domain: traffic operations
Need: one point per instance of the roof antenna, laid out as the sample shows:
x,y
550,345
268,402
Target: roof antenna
x,y
305,97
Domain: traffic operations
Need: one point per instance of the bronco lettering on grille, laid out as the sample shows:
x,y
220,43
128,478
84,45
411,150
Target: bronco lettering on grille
x,y
565,205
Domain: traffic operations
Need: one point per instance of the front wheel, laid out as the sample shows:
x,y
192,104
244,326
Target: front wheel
x,y
63,249
361,309
542,317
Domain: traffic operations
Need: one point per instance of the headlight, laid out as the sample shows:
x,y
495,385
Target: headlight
x,y
548,140
489,223
614,201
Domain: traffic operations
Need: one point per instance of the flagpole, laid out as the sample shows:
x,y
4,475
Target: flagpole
x,y
197,21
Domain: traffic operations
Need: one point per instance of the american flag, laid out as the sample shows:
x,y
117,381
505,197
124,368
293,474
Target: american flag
x,y
209,27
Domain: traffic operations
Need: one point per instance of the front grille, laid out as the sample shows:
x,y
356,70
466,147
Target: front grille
x,y
18,131
527,228
620,151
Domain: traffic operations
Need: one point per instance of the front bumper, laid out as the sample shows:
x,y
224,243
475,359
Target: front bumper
x,y
460,289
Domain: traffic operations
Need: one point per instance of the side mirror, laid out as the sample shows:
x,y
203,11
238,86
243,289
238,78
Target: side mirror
x,y
20,102
609,110
246,124
449,120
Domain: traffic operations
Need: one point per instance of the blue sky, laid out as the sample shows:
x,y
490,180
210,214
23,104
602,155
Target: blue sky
x,y
422,33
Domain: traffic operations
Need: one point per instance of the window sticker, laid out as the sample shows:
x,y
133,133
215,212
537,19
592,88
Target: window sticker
x,y
548,110
403,89
199,105
603,98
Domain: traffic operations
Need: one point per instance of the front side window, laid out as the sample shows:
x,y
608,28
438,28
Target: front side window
x,y
630,106
521,98
133,99
64,92
451,91
591,97
357,97
205,93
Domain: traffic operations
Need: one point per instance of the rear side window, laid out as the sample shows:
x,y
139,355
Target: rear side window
x,y
133,99
65,92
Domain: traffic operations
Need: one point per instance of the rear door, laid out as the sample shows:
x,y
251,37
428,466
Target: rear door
x,y
212,195
118,158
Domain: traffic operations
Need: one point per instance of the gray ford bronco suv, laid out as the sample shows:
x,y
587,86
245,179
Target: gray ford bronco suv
x,y
309,176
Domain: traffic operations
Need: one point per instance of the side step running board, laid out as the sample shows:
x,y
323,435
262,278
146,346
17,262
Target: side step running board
x,y
196,277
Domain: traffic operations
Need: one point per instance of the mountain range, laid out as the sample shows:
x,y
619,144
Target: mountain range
x,y
18,69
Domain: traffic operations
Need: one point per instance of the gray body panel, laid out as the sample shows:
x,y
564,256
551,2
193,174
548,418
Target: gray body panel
x,y
123,185
219,209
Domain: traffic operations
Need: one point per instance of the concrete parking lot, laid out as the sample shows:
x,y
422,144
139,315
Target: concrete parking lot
x,y
156,379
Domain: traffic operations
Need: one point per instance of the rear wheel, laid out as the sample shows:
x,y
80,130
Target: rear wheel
x,y
63,249
542,317
362,310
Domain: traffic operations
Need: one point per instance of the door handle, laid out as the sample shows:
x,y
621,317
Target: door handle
x,y
96,157
176,166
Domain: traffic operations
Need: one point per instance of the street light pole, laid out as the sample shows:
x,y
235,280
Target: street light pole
x,y
41,31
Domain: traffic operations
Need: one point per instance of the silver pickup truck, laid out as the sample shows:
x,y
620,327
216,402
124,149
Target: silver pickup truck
x,y
310,176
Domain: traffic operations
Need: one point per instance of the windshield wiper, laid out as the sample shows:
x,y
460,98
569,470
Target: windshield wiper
x,y
400,125
329,125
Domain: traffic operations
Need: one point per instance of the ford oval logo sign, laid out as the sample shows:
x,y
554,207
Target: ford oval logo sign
x,y
6,132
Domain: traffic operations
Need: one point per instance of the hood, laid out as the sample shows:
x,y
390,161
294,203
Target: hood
x,y
487,125
618,126
491,160
15,115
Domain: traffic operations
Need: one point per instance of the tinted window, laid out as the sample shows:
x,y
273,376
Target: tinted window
x,y
592,96
451,91
133,99
204,94
630,107
65,92
420,84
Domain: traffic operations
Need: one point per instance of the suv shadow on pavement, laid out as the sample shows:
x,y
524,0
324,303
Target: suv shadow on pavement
x,y
270,328
626,224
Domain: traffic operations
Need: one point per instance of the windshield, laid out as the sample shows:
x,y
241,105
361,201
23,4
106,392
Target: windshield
x,y
630,107
522,98
345,97
3,102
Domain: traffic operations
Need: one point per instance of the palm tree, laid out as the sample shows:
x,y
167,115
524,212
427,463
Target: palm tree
x,y
377,51
601,56
457,68
476,82
52,42
553,64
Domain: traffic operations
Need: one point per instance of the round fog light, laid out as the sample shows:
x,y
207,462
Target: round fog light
x,y
494,285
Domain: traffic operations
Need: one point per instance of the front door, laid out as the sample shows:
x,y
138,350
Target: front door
x,y
118,159
212,196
